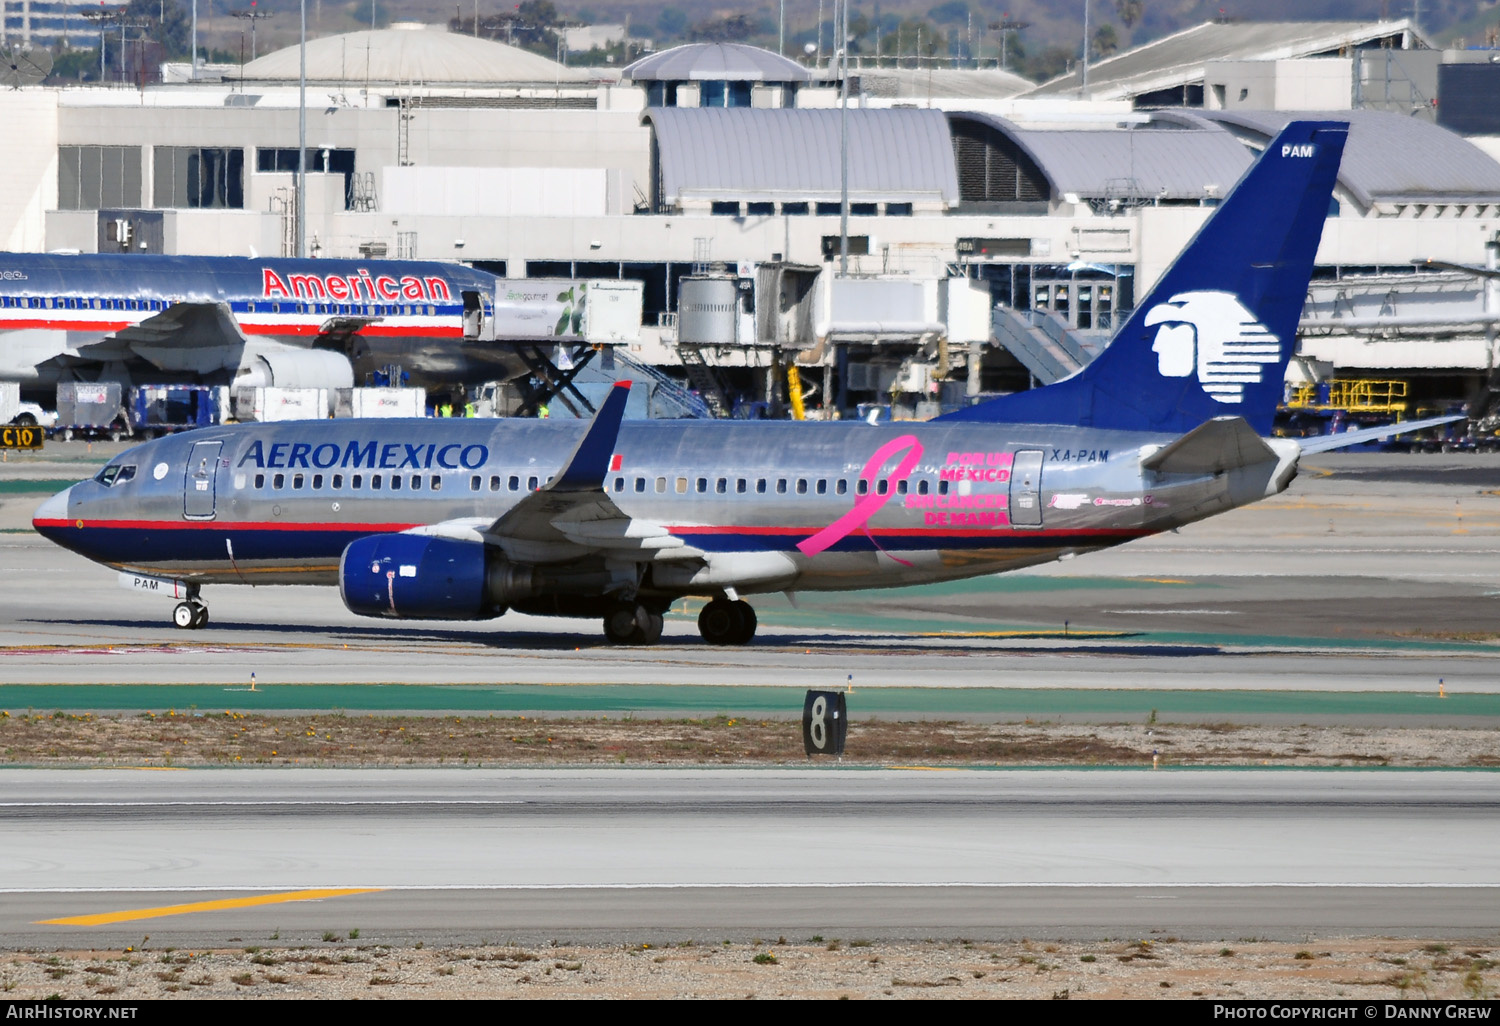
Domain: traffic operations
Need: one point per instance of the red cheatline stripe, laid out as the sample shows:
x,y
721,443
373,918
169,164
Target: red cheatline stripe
x,y
285,328
218,525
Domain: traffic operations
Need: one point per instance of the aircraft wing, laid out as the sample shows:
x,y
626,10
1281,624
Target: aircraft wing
x,y
197,337
572,517
1327,443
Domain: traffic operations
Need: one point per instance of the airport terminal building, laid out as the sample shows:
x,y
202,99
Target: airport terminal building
x,y
995,234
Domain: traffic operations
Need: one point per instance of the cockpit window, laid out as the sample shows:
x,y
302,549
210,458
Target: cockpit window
x,y
115,474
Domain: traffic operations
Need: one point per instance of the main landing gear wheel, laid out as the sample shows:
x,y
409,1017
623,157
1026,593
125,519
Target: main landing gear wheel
x,y
630,623
727,623
190,615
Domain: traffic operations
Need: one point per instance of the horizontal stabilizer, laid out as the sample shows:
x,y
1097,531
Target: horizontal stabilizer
x,y
1219,444
1328,443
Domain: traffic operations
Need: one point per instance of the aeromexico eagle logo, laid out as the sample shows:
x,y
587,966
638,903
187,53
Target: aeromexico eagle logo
x,y
1213,334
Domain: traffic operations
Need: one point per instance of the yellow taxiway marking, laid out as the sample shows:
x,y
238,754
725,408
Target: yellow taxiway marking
x,y
104,918
930,769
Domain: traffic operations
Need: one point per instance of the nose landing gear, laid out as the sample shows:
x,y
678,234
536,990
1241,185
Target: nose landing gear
x,y
190,615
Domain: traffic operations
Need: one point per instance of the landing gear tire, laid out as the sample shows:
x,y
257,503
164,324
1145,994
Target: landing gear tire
x,y
727,623
629,623
190,616
650,624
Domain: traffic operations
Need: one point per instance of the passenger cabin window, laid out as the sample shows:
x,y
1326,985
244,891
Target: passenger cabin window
x,y
822,486
317,480
278,481
619,484
474,483
416,482
494,482
883,487
515,483
640,484
942,487
531,484
760,486
781,486
901,487
702,485
922,486
297,480
801,486
375,481
436,484
841,486
863,488
721,486
260,480
357,481
739,485
338,480
395,482
661,485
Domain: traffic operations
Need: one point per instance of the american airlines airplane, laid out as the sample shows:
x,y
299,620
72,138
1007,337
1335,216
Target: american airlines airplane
x,y
232,320
464,519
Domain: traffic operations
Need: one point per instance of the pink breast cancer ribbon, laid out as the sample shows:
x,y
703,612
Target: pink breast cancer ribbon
x,y
867,505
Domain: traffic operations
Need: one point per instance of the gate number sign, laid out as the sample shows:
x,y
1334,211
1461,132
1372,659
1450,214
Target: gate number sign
x,y
13,437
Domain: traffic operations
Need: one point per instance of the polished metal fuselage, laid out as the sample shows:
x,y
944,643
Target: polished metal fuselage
x,y
757,506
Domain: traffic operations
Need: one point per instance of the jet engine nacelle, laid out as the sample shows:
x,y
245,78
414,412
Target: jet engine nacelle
x,y
417,577
286,367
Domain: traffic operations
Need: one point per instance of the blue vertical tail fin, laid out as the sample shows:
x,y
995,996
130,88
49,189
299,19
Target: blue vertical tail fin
x,y
1213,337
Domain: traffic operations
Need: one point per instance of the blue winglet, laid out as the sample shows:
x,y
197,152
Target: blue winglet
x,y
587,467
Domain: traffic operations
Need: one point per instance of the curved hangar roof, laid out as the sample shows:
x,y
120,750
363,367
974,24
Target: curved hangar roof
x,y
717,62
410,55
1389,158
746,153
1171,157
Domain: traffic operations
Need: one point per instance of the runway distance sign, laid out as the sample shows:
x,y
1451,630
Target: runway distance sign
x,y
15,437
824,723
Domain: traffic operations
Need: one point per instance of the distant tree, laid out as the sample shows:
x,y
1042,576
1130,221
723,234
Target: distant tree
x,y
74,66
671,22
952,11
733,28
1105,41
1050,63
540,14
911,34
1130,12
165,22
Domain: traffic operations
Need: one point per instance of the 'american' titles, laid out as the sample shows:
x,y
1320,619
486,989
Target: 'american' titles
x,y
360,285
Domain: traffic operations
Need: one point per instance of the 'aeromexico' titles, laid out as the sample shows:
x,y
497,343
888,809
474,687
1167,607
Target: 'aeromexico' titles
x,y
370,455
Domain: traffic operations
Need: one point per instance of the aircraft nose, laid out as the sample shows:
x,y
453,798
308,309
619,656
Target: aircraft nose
x,y
53,510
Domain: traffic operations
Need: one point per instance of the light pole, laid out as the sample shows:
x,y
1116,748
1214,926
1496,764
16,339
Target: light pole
x,y
252,16
1083,92
302,140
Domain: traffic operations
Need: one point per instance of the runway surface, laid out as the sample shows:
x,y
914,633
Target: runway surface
x,y
1376,577
532,855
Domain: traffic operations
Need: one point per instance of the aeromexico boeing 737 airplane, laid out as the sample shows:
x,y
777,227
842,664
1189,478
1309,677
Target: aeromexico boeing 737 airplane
x,y
462,519
233,320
